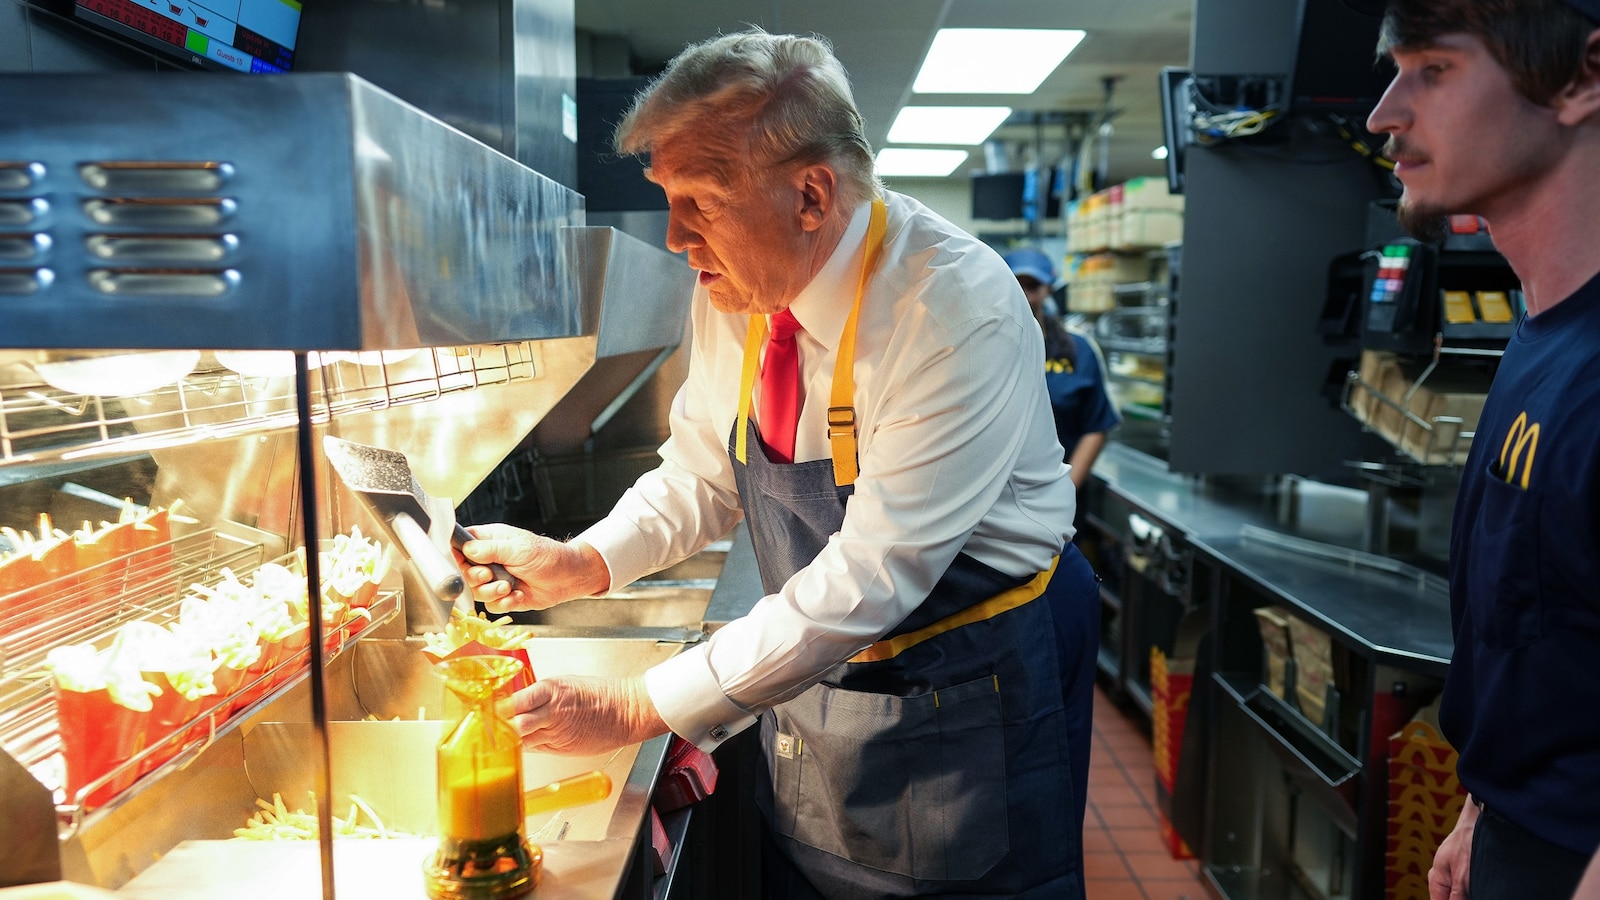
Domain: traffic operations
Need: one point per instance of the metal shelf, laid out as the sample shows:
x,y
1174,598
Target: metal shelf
x,y
148,585
1135,411
1137,379
1447,437
40,423
1139,287
1137,346
1435,427
1233,883
1140,696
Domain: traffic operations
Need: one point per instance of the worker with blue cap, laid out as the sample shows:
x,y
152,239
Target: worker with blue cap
x,y
1074,371
1494,111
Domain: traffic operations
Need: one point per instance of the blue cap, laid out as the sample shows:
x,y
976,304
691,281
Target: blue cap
x,y
1032,263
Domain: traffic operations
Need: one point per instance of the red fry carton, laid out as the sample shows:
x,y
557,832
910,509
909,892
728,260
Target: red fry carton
x,y
477,648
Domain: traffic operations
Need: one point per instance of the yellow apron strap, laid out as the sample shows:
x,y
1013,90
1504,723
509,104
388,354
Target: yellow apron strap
x,y
752,361
988,609
841,403
841,412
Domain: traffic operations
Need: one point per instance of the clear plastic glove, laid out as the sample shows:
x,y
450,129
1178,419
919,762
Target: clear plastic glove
x,y
1451,876
583,715
551,571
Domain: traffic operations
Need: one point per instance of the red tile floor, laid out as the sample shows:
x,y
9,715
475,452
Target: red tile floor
x,y
1124,857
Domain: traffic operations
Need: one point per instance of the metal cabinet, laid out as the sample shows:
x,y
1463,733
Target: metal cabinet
x,y
1145,587
1296,793
1275,800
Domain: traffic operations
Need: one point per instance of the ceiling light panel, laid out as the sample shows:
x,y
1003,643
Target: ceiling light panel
x,y
914,162
993,60
970,125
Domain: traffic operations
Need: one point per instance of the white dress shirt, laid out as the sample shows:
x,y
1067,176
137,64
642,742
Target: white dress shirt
x,y
957,447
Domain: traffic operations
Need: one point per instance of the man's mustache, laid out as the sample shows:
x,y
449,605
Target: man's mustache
x,y
1398,150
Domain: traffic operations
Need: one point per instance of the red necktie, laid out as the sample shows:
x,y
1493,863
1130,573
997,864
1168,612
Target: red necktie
x,y
780,387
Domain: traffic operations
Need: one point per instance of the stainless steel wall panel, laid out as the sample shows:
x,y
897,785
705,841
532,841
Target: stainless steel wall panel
x,y
496,70
641,292
445,56
461,235
544,66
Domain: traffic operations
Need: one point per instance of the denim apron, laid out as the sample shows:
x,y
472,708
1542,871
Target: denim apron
x,y
934,762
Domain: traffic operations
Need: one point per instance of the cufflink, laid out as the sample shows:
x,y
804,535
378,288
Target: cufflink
x,y
719,733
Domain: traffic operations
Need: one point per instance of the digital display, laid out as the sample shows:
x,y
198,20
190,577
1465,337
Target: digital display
x,y
243,35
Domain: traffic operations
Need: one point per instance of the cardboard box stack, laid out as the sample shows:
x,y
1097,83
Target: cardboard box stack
x,y
1425,799
1444,406
1092,280
1285,638
1313,668
1145,215
1364,395
1451,407
1171,683
1139,214
1273,621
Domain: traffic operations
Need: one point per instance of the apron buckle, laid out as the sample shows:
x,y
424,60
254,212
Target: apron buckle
x,y
841,419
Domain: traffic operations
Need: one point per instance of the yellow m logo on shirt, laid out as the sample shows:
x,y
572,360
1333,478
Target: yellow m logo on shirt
x,y
1519,437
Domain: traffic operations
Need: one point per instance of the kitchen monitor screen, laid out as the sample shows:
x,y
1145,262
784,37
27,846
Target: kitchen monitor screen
x,y
242,35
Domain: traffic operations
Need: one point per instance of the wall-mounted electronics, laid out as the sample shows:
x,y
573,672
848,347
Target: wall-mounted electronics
x,y
1013,195
1396,286
236,35
1177,109
1458,291
1335,67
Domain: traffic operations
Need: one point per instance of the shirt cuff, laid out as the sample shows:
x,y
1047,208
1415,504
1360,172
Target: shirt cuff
x,y
621,546
689,699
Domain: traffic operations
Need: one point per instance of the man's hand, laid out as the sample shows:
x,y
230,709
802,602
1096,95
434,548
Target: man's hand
x,y
551,571
584,715
1450,877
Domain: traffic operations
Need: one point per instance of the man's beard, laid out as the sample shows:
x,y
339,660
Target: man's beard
x,y
1428,224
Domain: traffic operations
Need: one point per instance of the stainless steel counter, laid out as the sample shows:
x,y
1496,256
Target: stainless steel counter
x,y
1403,621
1185,502
739,586
366,870
1307,560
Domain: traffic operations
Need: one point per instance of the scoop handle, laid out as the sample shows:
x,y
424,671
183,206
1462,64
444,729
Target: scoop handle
x,y
461,535
438,571
590,787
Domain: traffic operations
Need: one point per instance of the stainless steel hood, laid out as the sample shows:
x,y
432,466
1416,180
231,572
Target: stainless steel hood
x,y
303,212
294,212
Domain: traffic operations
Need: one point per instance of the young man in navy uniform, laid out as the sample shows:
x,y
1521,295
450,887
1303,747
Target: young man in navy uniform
x,y
1495,112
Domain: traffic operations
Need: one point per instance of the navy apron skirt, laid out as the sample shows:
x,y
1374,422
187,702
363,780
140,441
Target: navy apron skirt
x,y
946,769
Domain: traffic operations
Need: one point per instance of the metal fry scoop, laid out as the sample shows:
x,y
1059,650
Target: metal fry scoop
x,y
382,478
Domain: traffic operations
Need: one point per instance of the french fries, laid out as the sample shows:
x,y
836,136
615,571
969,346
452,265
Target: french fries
x,y
463,629
276,822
